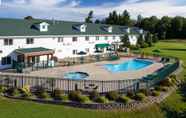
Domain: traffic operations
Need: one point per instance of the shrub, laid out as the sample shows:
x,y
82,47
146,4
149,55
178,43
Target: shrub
x,y
166,82
74,95
144,91
144,45
173,79
130,94
41,93
57,94
157,88
161,88
164,89
93,95
173,76
124,99
140,96
155,93
64,98
113,95
26,91
2,89
83,99
13,92
134,47
102,99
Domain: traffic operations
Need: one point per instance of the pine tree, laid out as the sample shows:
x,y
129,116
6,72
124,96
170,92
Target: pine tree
x,y
125,40
89,18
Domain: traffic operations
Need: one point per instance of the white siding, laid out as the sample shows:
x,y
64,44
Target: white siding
x,y
62,49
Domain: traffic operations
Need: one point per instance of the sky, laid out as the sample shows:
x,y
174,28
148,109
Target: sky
x,y
77,10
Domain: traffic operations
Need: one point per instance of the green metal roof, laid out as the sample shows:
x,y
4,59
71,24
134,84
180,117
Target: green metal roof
x,y
31,50
102,45
21,27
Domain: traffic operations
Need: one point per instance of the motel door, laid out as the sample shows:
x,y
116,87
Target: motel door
x,y
35,59
20,58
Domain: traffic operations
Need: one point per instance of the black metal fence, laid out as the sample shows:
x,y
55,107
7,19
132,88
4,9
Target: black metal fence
x,y
50,84
19,81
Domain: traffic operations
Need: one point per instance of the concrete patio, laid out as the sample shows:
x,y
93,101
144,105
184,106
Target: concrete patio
x,y
96,71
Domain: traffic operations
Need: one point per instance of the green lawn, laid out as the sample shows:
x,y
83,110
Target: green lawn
x,y
175,102
23,109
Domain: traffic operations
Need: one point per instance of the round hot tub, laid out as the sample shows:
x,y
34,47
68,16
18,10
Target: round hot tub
x,y
76,75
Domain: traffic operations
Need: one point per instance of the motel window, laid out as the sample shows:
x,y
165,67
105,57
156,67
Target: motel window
x,y
74,39
60,39
87,50
87,38
106,37
29,41
114,37
74,52
43,26
6,60
8,41
97,38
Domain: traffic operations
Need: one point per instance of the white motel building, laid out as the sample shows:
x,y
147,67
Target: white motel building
x,y
33,41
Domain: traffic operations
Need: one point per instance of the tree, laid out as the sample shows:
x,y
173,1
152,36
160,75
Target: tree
x,y
177,23
163,27
125,40
140,41
177,26
89,18
149,24
148,39
125,18
112,18
97,21
154,38
28,18
139,20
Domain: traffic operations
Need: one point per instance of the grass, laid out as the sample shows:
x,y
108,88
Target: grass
x,y
24,109
176,102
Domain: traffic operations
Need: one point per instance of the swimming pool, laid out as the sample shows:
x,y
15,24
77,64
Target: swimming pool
x,y
131,65
76,75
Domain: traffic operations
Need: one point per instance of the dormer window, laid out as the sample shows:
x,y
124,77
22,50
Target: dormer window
x,y
74,39
108,28
81,27
125,29
42,27
128,30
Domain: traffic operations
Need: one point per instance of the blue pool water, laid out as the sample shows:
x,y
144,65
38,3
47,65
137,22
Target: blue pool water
x,y
76,75
130,65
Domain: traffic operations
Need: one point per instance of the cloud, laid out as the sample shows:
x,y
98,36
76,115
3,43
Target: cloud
x,y
75,10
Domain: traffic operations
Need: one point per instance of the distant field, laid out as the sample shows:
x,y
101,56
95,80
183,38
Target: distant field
x,y
22,109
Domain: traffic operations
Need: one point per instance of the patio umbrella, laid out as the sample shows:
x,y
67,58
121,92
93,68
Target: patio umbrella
x,y
81,53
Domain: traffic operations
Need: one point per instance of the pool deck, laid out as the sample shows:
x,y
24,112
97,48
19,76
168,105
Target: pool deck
x,y
96,71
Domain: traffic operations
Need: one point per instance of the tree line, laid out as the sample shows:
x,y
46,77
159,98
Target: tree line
x,y
164,28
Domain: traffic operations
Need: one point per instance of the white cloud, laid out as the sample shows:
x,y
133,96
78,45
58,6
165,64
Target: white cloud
x,y
73,11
